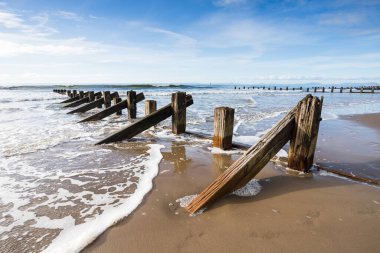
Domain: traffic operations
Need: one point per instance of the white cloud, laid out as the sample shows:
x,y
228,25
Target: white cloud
x,y
340,19
186,40
224,3
69,15
10,20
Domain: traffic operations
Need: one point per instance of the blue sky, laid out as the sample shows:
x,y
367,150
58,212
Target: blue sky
x,y
189,41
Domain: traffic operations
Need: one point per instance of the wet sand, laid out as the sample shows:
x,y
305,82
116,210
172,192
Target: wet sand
x,y
291,214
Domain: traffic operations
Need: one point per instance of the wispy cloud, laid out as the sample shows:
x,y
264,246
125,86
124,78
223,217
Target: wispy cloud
x,y
224,3
342,18
11,20
69,15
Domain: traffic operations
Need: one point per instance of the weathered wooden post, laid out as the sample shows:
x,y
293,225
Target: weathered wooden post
x,y
223,127
323,89
91,96
350,89
307,89
268,88
81,95
280,88
301,88
69,93
150,106
115,101
305,134
361,89
341,90
315,89
99,97
75,93
131,102
373,89
287,88
107,99
293,89
179,112
332,89
275,87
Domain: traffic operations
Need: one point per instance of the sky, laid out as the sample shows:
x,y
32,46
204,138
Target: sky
x,y
189,41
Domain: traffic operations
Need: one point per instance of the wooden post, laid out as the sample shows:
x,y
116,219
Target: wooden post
x,y
315,89
107,99
373,89
301,88
275,87
75,93
223,127
179,112
293,89
332,89
350,89
150,106
341,90
115,101
287,88
81,94
307,89
131,101
361,89
323,89
91,96
305,134
280,88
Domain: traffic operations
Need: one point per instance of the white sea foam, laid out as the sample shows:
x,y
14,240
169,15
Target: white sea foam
x,y
73,238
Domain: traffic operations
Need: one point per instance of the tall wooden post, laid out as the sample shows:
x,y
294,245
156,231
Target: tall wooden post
x,y
107,99
223,127
150,106
131,101
305,134
179,112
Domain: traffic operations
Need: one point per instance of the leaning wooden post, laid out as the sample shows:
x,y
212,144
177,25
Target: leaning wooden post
x,y
150,106
179,112
107,99
223,127
131,101
305,134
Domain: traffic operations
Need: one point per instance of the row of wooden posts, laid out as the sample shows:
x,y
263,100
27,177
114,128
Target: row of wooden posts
x,y
300,127
370,89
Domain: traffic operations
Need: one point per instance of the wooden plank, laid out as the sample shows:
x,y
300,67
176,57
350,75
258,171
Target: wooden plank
x,y
70,100
248,165
144,123
91,105
223,127
111,110
179,112
304,138
78,102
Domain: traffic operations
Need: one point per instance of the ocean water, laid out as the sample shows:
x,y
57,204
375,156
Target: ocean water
x,y
58,191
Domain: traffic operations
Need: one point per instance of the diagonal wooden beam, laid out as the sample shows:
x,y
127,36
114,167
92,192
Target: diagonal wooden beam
x,y
248,165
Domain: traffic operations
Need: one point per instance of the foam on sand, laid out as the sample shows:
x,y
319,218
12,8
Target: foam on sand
x,y
73,238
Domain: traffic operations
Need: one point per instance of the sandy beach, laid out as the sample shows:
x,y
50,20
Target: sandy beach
x,y
311,213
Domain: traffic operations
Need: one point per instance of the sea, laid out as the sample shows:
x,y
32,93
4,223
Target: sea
x,y
59,191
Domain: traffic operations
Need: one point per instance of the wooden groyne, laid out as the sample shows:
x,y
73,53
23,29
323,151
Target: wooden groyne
x,y
175,109
300,126
118,106
315,89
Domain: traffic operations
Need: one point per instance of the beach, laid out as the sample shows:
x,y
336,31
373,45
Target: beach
x,y
61,193
310,213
